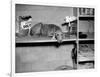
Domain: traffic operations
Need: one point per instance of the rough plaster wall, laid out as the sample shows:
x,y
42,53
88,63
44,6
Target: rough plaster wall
x,y
30,59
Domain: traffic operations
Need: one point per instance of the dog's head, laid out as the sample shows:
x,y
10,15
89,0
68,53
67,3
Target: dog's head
x,y
59,36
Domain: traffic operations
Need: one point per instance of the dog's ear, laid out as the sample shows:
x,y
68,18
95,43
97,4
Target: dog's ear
x,y
56,34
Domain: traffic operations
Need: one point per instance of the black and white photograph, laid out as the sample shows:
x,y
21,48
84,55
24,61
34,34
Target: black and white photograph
x,y
53,38
50,38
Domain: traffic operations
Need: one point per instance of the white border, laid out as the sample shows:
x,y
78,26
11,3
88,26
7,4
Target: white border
x,y
52,3
13,39
42,2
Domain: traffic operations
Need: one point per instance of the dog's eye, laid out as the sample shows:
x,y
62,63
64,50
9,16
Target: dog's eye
x,y
57,34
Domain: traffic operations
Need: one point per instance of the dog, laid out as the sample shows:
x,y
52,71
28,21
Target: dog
x,y
47,30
